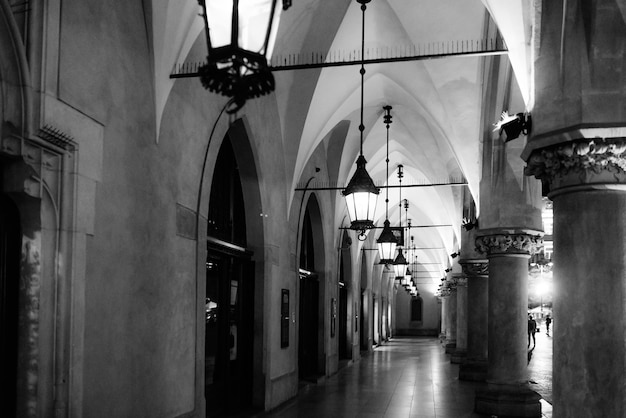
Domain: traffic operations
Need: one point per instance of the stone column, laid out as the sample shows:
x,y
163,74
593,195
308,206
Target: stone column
x,y
444,317
508,393
440,309
450,344
474,368
459,354
586,180
578,149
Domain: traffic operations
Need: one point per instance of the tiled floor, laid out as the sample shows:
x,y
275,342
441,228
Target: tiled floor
x,y
406,377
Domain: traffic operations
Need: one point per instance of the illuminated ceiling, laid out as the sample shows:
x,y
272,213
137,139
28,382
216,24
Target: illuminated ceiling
x,y
437,120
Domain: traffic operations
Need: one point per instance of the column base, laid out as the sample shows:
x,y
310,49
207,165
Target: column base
x,y
450,346
459,356
506,401
473,371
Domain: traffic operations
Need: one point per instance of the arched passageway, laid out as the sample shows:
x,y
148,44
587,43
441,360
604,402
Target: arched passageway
x,y
230,293
311,356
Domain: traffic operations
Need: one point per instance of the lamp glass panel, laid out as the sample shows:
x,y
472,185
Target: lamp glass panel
x,y
361,206
386,250
254,17
399,269
350,203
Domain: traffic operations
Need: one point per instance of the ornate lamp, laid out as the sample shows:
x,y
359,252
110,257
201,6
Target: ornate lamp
x,y
400,264
361,193
387,240
232,70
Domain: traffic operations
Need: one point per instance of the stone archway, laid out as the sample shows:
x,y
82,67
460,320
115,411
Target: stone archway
x,y
239,140
346,297
312,288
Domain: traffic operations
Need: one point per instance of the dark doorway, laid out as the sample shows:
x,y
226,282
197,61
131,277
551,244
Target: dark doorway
x,y
416,309
307,349
344,352
362,325
10,244
229,321
229,330
309,306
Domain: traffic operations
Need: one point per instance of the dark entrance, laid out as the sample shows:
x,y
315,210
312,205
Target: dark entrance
x,y
307,349
344,352
10,243
362,327
229,318
309,306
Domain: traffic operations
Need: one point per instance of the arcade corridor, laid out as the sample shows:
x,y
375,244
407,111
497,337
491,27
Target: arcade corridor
x,y
211,207
406,377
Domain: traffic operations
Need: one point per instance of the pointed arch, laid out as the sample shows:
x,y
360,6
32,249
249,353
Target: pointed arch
x,y
237,141
312,288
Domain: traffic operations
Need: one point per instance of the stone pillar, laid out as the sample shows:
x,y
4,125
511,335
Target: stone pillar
x,y
440,310
450,343
586,180
444,317
508,393
578,149
459,354
474,368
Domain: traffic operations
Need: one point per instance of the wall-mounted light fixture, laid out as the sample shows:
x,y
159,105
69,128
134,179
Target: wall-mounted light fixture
x,y
468,224
513,125
231,70
361,194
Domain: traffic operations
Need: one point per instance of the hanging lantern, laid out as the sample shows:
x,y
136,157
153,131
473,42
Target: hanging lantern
x,y
400,264
386,244
361,196
361,193
238,35
387,241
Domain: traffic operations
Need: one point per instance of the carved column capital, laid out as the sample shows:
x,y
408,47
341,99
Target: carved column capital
x,y
580,162
473,268
509,242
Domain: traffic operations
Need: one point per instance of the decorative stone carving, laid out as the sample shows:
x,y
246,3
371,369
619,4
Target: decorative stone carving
x,y
579,162
461,282
471,268
517,243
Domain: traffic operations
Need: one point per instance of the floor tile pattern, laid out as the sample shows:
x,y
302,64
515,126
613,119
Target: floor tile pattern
x,y
405,377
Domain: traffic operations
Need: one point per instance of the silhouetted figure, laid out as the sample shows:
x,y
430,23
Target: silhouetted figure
x,y
548,322
532,328
530,355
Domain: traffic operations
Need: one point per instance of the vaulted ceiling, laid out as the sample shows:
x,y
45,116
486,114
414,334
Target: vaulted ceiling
x,y
437,103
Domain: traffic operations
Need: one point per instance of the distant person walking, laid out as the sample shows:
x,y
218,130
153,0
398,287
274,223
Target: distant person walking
x,y
548,322
532,329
